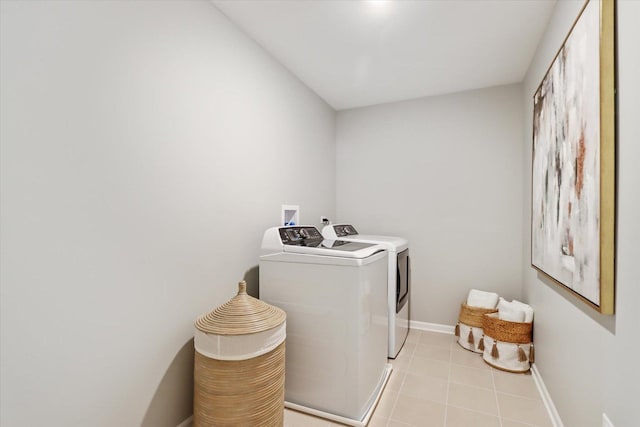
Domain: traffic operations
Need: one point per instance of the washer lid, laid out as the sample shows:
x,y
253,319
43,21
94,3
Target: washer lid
x,y
396,242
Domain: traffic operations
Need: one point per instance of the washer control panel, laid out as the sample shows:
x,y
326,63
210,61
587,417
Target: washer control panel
x,y
303,235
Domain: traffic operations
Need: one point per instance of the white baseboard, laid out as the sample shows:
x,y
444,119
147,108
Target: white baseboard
x,y
432,327
546,397
186,423
606,422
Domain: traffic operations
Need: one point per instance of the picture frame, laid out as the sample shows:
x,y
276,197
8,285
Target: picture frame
x,y
573,162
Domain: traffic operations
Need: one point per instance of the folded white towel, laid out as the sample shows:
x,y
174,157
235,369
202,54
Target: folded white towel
x,y
482,299
511,312
528,310
514,310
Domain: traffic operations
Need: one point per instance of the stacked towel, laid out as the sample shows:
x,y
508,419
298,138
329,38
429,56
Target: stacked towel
x,y
482,299
515,311
528,310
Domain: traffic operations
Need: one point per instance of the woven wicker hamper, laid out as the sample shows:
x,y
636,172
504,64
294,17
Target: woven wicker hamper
x,y
469,328
239,364
507,345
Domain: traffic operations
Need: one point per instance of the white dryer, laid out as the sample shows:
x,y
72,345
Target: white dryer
x,y
399,278
334,294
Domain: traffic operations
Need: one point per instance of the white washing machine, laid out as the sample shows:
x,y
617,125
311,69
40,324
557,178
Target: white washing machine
x,y
399,278
335,297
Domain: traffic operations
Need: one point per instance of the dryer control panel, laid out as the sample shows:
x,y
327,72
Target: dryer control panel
x,y
343,230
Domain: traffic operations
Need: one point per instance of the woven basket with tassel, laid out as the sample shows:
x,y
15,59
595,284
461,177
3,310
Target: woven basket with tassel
x,y
469,328
240,364
507,345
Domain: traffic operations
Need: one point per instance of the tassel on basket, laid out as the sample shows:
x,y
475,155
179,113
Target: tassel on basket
x,y
470,339
494,350
457,329
531,354
481,344
522,357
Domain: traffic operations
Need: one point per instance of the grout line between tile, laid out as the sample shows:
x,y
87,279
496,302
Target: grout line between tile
x,y
393,408
490,388
495,393
537,399
520,422
475,411
446,400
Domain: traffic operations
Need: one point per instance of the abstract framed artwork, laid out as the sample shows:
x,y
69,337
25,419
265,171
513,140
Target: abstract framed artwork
x,y
573,162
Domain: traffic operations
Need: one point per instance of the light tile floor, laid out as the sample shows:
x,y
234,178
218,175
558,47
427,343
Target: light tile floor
x,y
437,383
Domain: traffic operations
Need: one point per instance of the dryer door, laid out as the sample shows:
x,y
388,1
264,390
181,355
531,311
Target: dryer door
x,y
402,280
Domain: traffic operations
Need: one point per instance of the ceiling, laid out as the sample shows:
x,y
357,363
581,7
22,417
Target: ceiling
x,y
359,53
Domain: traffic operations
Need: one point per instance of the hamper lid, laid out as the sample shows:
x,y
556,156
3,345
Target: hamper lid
x,y
241,315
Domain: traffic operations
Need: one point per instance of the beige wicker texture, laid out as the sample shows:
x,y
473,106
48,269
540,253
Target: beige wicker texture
x,y
241,315
472,316
506,331
240,393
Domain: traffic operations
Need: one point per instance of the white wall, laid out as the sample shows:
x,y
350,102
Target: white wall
x,y
146,146
588,360
445,172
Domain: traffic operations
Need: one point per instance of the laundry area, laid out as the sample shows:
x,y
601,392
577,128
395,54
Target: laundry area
x,y
319,213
